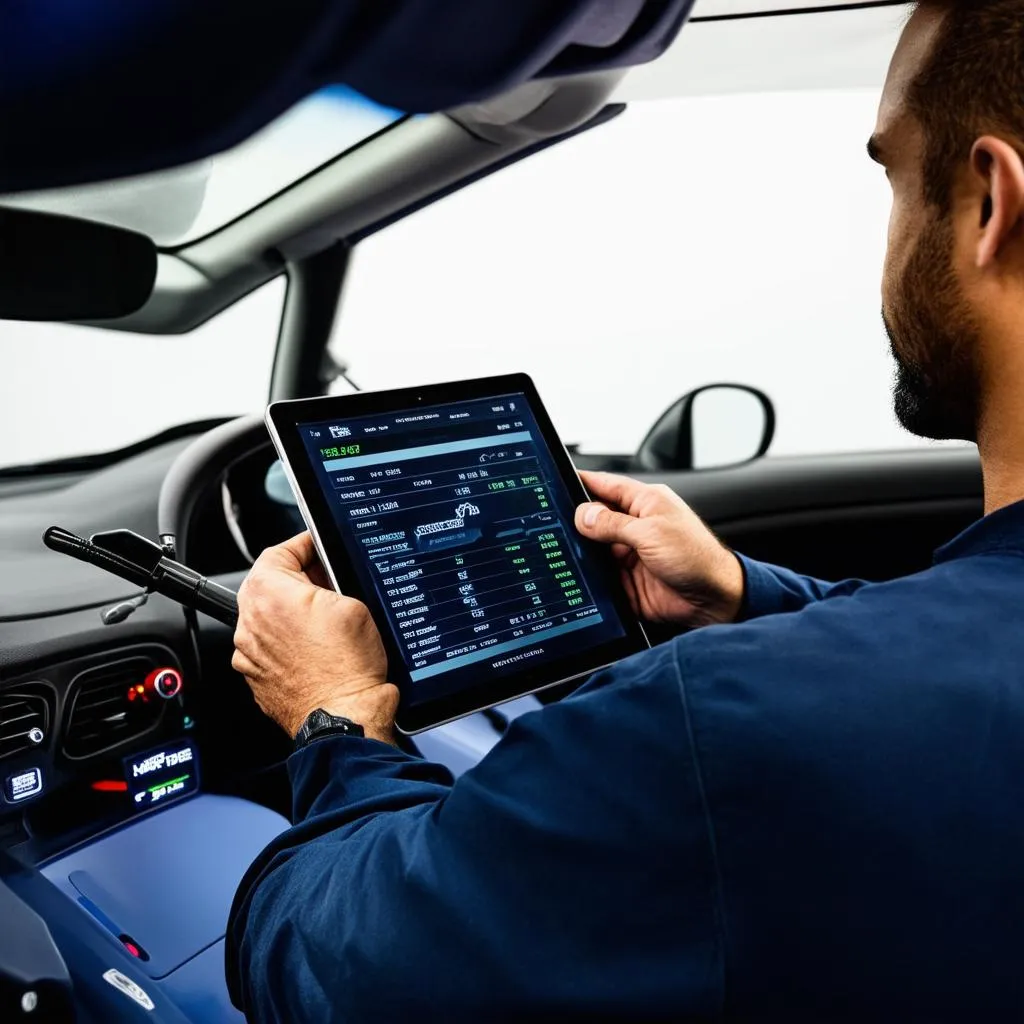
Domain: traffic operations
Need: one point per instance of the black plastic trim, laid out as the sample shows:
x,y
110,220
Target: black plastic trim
x,y
310,307
603,116
100,460
787,11
180,247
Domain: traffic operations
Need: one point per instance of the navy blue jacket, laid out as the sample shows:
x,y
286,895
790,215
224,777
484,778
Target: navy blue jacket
x,y
815,815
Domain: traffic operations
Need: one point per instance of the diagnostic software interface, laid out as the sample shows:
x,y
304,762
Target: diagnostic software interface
x,y
456,516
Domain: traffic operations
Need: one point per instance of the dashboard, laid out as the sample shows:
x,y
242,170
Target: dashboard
x,y
71,730
110,756
76,696
79,698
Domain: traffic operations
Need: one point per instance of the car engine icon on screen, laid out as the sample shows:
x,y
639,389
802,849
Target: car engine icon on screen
x,y
448,532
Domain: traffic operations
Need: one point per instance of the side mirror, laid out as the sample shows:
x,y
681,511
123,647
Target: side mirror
x,y
713,427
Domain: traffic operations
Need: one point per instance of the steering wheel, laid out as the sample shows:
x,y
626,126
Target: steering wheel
x,y
196,469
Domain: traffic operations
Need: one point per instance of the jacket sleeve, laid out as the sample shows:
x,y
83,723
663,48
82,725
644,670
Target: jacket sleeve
x,y
569,874
771,589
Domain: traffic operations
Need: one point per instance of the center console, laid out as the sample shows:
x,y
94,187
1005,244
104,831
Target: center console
x,y
139,914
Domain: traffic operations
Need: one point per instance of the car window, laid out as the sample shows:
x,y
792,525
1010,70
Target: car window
x,y
688,241
185,203
69,390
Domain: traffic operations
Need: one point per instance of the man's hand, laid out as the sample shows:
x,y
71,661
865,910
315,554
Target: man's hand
x,y
674,568
302,646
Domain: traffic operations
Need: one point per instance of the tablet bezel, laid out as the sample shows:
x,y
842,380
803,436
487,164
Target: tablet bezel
x,y
283,419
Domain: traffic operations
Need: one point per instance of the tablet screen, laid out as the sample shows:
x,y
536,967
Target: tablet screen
x,y
456,518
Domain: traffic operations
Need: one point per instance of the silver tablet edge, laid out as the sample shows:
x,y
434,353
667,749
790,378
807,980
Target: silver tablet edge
x,y
303,508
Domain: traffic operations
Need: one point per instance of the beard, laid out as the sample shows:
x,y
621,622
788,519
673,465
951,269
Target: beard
x,y
934,341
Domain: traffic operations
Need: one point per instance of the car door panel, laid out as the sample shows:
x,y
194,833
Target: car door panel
x,y
873,515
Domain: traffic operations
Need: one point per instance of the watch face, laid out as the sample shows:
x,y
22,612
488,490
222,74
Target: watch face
x,y
320,720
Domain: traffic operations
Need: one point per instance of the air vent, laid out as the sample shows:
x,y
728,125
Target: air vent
x,y
101,715
21,715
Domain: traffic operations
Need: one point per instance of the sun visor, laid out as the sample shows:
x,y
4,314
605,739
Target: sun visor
x,y
93,90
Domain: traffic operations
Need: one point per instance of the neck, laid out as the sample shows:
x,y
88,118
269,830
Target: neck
x,y
1003,482
1001,444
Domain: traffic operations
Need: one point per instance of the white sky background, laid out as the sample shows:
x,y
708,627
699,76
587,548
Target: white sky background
x,y
67,390
689,241
735,238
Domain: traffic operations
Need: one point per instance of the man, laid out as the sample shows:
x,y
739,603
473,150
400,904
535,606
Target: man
x,y
815,813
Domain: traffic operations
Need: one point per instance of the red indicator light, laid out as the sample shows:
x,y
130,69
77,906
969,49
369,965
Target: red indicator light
x,y
165,682
133,947
110,786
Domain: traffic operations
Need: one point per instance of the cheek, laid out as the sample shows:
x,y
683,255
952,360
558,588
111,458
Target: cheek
x,y
899,245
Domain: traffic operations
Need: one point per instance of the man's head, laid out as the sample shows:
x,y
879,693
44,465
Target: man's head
x,y
950,134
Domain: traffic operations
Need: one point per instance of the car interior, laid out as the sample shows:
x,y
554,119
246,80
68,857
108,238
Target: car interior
x,y
117,893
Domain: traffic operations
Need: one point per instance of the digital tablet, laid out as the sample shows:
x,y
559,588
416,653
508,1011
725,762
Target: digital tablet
x,y
449,510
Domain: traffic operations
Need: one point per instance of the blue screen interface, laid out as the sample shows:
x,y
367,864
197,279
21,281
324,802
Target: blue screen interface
x,y
455,516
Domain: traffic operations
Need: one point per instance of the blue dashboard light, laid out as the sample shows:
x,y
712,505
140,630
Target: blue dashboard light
x,y
162,774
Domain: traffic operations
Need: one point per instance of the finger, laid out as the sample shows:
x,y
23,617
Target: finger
x,y
621,552
317,575
294,555
242,664
630,587
600,523
246,643
305,552
613,488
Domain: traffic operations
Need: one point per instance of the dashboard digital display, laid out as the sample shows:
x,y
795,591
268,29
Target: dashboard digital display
x,y
162,774
456,518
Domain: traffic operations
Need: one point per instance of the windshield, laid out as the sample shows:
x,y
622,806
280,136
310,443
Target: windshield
x,y
684,243
185,203
67,390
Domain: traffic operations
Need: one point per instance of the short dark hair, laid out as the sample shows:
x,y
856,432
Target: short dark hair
x,y
971,85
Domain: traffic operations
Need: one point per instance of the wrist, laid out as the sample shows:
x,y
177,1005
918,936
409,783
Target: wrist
x,y
731,586
715,595
373,709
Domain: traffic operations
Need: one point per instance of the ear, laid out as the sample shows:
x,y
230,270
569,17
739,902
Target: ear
x,y
999,174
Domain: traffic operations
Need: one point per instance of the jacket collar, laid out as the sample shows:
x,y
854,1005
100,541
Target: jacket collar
x,y
1002,530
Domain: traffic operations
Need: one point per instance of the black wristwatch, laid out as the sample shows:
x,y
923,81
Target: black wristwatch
x,y
320,724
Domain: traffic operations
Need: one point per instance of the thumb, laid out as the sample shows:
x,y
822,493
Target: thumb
x,y
598,522
293,555
296,557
